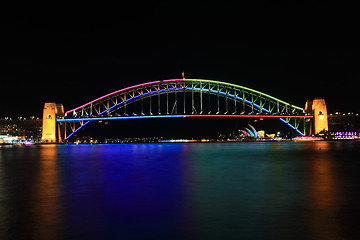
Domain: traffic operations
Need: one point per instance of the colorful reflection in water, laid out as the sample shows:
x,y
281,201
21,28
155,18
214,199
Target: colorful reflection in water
x,y
46,193
324,194
322,181
180,191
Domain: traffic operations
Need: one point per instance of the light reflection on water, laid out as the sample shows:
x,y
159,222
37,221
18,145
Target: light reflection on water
x,y
46,193
281,190
324,192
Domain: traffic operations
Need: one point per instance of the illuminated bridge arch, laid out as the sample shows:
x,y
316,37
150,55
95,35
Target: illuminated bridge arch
x,y
248,101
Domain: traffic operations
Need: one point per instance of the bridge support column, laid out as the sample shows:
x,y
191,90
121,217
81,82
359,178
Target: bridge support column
x,y
319,123
50,133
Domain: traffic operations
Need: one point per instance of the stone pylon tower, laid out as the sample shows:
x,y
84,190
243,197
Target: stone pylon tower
x,y
317,108
50,133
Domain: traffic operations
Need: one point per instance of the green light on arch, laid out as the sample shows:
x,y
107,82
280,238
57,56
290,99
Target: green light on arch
x,y
242,87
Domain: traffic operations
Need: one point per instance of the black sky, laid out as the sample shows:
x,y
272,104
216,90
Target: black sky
x,y
294,51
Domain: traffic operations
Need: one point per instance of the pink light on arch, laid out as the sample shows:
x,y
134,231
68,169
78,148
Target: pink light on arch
x,y
121,90
173,80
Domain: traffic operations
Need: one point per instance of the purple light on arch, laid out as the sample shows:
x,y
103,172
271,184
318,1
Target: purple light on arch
x,y
122,90
107,95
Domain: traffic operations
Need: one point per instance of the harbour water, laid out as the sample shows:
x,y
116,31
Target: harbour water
x,y
254,190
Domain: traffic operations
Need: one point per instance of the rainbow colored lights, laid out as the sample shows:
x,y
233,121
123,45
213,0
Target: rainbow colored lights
x,y
189,80
264,112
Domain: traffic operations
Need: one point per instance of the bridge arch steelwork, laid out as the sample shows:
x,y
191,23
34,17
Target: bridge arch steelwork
x,y
259,103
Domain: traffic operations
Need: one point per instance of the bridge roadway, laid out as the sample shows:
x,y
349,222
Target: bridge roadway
x,y
181,116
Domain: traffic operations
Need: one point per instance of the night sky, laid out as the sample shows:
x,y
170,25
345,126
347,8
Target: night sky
x,y
73,55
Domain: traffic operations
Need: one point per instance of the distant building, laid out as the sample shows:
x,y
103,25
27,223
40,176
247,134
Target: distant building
x,y
8,139
29,129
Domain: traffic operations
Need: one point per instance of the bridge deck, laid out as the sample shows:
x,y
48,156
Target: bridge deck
x,y
181,116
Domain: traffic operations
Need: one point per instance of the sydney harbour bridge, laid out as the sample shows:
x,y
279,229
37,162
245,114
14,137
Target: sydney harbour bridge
x,y
181,98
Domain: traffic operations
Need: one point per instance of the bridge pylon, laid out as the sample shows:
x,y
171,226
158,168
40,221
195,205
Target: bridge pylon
x,y
319,122
51,132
